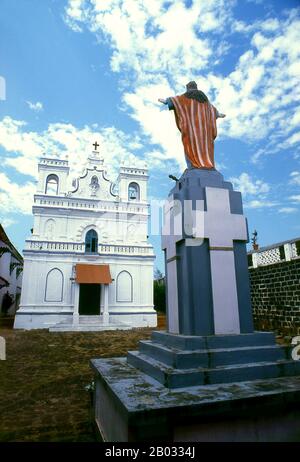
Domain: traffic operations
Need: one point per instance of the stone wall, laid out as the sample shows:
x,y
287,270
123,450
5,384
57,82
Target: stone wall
x,y
275,293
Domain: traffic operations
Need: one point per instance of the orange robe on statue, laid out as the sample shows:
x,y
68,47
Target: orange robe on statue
x,y
197,123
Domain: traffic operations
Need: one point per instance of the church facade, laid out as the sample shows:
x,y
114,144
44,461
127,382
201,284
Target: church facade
x,y
88,264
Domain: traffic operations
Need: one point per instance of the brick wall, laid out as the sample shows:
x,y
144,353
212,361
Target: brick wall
x,y
275,293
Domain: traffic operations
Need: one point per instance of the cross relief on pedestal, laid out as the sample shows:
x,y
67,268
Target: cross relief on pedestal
x,y
221,228
172,224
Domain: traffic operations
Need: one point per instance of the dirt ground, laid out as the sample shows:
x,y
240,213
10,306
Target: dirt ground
x,y
43,380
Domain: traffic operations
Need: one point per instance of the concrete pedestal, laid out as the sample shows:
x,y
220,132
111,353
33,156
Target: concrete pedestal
x,y
210,377
204,238
182,361
131,406
191,388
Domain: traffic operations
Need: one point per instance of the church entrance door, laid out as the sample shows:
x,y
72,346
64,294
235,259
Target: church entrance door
x,y
89,299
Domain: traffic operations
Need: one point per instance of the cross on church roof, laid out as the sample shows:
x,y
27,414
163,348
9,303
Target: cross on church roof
x,y
96,145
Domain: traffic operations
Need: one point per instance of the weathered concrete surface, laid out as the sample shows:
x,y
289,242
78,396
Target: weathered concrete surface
x,y
181,360
131,406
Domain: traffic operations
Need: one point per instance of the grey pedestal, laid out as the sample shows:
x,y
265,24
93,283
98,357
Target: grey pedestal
x,y
182,361
131,406
194,281
210,377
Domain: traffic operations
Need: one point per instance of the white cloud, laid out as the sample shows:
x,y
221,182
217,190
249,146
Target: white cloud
x,y
295,138
259,204
255,191
7,222
295,178
36,107
145,37
158,122
75,12
29,145
287,210
16,198
295,198
156,58
23,148
247,186
261,93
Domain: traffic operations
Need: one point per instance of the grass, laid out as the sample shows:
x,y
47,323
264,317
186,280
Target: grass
x,y
43,380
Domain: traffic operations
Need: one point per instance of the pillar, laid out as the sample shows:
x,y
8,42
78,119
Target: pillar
x,y
288,251
105,306
76,304
255,260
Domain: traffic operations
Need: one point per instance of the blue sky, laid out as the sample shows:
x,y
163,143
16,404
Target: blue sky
x,y
84,70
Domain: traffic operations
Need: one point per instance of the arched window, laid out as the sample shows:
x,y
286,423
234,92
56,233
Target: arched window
x,y
52,185
54,286
50,228
124,287
91,241
133,192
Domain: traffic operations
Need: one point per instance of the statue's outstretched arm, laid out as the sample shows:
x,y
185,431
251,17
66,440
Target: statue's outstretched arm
x,y
167,101
220,116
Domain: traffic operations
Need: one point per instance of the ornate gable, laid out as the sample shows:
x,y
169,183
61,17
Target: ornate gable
x,y
94,184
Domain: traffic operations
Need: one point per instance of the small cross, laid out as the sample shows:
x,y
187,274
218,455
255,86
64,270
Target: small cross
x,y
96,145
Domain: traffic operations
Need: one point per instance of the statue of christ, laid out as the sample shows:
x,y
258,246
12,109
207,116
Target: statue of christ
x,y
196,119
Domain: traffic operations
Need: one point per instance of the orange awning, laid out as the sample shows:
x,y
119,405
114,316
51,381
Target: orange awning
x,y
93,274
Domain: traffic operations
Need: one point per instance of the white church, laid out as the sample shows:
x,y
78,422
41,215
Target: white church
x,y
88,264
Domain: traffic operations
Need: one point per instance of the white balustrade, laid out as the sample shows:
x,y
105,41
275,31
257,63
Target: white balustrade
x,y
283,251
79,247
100,206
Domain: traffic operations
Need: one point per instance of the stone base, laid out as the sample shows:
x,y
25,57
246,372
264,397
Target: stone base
x,y
131,406
63,321
90,324
40,320
182,361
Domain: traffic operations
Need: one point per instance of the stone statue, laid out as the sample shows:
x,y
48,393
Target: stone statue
x,y
94,185
196,120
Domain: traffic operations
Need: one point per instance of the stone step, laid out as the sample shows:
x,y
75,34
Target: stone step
x,y
86,320
210,358
90,319
190,342
179,378
88,327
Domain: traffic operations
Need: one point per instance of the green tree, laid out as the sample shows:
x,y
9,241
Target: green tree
x,y
159,289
